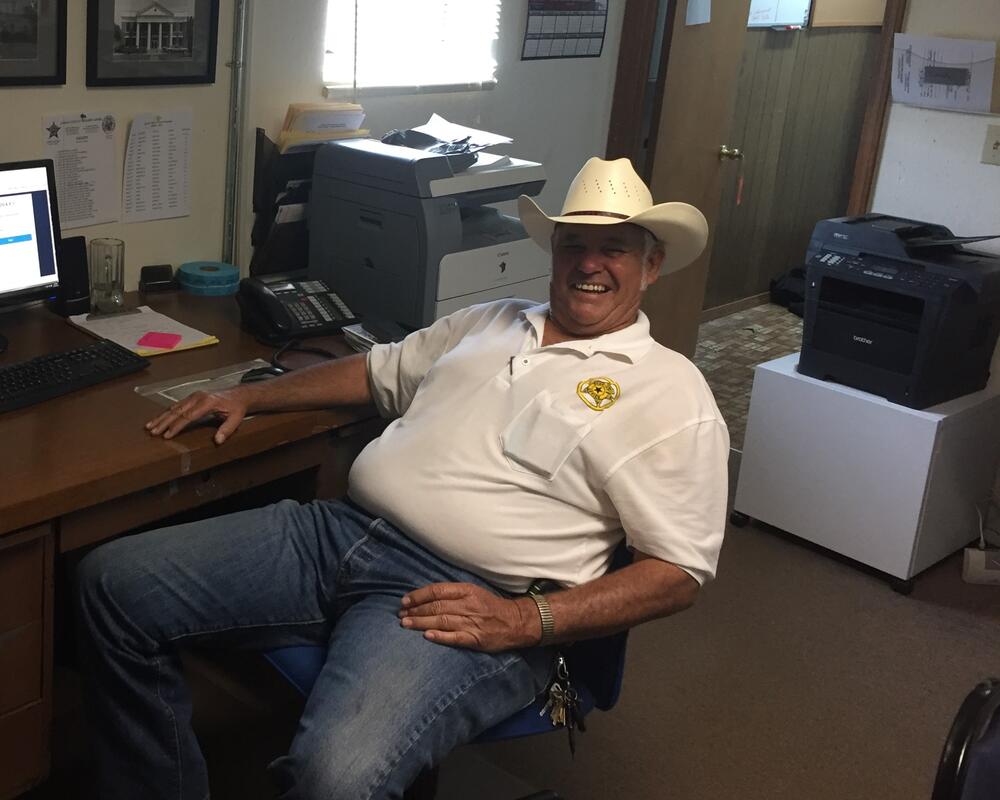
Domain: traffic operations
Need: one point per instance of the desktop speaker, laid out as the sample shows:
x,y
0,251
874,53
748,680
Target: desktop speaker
x,y
73,296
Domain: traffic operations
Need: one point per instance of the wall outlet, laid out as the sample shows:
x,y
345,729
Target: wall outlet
x,y
981,566
991,148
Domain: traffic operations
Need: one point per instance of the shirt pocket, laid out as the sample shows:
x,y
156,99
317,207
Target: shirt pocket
x,y
542,436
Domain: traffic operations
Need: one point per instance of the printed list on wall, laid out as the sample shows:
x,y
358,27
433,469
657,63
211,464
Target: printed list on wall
x,y
82,147
157,181
564,29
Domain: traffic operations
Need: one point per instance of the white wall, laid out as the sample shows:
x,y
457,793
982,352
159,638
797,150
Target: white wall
x,y
930,166
175,241
557,111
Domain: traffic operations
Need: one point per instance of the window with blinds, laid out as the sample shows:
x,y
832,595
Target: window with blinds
x,y
411,43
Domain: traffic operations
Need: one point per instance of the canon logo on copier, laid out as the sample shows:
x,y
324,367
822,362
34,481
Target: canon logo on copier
x,y
861,339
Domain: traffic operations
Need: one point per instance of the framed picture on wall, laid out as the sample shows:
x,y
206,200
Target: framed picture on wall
x,y
32,42
148,42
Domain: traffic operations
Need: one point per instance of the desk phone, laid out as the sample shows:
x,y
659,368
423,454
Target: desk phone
x,y
278,307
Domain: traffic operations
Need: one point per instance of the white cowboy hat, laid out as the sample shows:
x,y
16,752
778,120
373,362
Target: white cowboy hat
x,y
610,192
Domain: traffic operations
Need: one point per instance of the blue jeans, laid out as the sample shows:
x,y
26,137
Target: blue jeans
x,y
388,702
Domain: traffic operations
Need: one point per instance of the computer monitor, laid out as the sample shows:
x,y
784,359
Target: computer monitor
x,y
29,233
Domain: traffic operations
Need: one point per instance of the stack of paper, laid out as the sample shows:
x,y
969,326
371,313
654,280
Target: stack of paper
x,y
308,125
362,336
358,338
143,331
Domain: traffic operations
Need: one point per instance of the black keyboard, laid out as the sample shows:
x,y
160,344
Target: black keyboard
x,y
48,376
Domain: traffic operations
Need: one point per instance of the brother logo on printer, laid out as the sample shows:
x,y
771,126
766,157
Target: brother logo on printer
x,y
862,339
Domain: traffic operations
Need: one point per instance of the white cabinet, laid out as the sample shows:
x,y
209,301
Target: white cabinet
x,y
891,487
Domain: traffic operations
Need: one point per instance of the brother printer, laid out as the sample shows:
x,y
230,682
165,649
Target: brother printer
x,y
402,235
899,308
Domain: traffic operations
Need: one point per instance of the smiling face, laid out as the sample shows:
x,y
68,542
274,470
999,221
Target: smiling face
x,y
599,273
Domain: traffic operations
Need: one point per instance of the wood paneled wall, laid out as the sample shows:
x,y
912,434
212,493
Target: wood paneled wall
x,y
799,108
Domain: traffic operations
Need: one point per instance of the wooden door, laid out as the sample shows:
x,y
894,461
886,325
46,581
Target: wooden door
x,y
797,120
697,106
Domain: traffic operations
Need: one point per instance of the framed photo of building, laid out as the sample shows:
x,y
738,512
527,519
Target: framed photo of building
x,y
147,42
32,42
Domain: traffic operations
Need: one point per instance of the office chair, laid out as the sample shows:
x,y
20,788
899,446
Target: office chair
x,y
596,670
969,768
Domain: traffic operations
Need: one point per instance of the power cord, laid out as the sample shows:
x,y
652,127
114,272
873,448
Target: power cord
x,y
296,346
277,367
986,541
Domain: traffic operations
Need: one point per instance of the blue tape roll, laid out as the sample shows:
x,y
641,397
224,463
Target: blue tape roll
x,y
207,273
220,289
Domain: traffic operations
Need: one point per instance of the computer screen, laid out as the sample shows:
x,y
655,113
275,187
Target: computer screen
x,y
29,231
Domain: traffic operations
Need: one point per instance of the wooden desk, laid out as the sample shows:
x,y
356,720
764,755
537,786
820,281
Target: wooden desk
x,y
81,468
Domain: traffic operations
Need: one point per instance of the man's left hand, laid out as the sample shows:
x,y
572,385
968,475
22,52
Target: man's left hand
x,y
466,615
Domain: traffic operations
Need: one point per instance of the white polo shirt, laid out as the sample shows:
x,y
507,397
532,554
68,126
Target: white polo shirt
x,y
498,461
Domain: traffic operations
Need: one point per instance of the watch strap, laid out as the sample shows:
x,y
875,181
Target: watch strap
x,y
545,614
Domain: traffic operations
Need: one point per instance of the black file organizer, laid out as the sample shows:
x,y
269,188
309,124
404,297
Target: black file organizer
x,y
278,247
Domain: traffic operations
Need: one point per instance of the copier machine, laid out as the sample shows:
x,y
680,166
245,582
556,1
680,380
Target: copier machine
x,y
402,236
899,308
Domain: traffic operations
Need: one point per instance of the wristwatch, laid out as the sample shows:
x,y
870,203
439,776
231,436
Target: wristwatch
x,y
545,613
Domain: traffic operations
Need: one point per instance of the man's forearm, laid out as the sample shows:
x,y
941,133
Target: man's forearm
x,y
343,381
644,590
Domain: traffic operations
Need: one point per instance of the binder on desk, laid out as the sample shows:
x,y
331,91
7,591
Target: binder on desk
x,y
143,331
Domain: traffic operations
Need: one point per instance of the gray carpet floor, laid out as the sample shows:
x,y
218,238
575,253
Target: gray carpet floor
x,y
796,675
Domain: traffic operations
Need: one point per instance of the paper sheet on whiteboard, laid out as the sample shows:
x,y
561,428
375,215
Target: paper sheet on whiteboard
x,y
938,72
778,13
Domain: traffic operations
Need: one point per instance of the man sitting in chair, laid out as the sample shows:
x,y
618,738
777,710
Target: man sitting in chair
x,y
527,441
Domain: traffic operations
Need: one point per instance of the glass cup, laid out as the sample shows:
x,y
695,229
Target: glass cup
x,y
107,276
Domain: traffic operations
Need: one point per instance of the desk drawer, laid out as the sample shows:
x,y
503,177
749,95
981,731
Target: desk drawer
x,y
21,666
24,749
97,523
22,576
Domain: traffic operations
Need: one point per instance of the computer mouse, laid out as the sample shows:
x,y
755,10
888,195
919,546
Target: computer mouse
x,y
261,374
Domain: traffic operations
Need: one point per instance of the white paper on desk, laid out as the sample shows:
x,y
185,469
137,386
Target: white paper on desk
x,y
938,72
157,182
699,12
440,128
83,149
130,328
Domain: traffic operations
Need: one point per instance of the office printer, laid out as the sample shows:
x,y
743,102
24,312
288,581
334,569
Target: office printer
x,y
399,235
899,308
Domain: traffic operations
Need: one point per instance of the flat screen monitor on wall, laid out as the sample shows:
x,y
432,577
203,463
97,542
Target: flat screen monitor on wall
x,y
779,13
29,232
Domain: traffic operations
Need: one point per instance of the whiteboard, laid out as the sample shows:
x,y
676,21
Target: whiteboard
x,y
768,13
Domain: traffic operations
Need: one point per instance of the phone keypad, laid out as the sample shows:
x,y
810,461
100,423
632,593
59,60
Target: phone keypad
x,y
340,305
320,309
304,315
314,308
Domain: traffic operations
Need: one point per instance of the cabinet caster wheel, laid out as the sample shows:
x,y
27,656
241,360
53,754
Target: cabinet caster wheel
x,y
738,519
899,586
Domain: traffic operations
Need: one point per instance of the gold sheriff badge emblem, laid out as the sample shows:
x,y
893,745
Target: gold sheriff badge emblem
x,y
599,393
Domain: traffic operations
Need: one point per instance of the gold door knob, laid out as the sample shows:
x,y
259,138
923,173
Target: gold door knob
x,y
732,153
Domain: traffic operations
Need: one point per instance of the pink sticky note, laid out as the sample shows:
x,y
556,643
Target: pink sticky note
x,y
164,341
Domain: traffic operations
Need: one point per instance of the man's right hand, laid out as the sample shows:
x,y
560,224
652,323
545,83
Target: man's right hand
x,y
230,405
